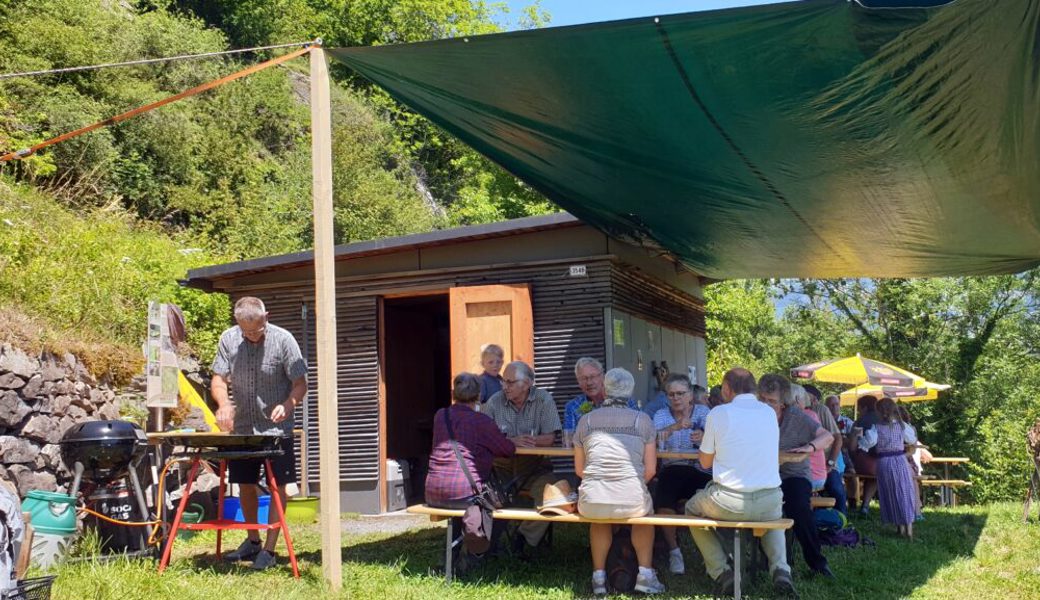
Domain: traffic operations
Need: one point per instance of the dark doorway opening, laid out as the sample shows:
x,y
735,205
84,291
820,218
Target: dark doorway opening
x,y
418,380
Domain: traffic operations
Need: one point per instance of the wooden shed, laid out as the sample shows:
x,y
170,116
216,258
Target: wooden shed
x,y
414,310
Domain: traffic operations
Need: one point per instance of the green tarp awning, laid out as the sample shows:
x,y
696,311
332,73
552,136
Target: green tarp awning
x,y
822,138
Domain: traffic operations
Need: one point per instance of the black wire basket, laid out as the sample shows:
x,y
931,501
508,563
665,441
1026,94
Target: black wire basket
x,y
37,588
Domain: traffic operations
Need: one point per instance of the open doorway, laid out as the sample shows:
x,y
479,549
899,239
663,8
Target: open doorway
x,y
417,370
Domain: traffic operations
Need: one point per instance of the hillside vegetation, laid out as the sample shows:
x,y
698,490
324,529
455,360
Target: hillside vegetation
x,y
96,226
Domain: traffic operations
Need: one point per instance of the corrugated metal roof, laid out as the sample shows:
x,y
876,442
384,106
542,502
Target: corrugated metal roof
x,y
202,278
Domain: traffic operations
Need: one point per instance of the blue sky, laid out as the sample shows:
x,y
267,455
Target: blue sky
x,y
573,12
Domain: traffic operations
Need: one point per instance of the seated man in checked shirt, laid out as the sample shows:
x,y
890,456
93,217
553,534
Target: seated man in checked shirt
x,y
528,416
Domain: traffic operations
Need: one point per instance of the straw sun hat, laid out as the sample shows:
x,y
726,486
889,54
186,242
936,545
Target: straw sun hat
x,y
558,498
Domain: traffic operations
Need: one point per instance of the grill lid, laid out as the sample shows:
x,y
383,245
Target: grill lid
x,y
104,431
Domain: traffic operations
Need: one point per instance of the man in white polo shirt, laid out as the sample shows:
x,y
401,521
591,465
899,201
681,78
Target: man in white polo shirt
x,y
741,446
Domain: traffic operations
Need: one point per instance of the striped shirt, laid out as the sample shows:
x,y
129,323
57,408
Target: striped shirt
x,y
261,376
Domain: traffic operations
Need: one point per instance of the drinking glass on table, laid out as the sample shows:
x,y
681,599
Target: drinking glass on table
x,y
662,440
568,438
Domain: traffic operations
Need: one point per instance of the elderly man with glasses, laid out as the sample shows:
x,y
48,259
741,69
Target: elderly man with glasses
x,y
589,373
265,370
800,434
527,415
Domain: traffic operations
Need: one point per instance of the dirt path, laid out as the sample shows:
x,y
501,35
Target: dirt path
x,y
391,523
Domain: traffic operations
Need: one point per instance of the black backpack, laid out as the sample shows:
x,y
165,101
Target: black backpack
x,y
622,566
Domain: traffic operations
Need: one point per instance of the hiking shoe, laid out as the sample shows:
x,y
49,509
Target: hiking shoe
x,y
263,560
649,584
783,584
246,550
723,587
599,586
675,562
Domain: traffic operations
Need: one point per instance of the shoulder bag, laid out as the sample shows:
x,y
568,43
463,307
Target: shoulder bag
x,y
477,522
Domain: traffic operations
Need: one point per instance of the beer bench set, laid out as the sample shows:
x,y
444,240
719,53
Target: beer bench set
x,y
757,528
947,485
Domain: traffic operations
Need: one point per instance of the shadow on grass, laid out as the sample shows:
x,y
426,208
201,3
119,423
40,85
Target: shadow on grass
x,y
206,560
892,569
895,567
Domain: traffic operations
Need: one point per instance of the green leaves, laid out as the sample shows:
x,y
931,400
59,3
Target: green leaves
x,y
978,334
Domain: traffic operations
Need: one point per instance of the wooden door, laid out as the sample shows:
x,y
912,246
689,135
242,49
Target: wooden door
x,y
490,314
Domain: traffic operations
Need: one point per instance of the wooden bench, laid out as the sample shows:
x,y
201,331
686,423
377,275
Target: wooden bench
x,y
757,528
947,488
946,485
822,502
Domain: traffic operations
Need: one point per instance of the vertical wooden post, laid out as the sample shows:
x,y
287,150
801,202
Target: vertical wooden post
x,y
325,318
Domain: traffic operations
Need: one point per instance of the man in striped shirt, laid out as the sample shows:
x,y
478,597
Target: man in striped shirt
x,y
267,375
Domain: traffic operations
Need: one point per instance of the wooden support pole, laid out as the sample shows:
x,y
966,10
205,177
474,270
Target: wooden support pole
x,y
325,319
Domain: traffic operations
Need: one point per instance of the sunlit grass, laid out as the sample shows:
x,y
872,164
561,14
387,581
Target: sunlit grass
x,y
967,552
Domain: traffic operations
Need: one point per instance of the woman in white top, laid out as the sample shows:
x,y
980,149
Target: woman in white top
x,y
615,455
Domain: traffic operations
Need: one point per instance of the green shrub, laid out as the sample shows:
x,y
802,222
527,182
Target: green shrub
x,y
90,275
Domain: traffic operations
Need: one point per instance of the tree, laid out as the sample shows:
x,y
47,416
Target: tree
x,y
971,332
470,187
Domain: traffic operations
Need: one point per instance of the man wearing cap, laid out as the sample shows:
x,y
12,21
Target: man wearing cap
x,y
528,416
741,445
265,370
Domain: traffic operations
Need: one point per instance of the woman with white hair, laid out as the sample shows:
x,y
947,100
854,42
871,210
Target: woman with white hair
x,y
615,455
817,460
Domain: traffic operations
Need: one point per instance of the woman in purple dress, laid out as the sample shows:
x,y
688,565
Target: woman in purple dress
x,y
895,481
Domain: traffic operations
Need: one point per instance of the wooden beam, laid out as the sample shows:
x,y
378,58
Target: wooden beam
x,y
381,337
325,319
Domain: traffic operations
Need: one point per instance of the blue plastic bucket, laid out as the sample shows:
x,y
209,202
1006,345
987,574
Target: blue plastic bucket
x,y
233,509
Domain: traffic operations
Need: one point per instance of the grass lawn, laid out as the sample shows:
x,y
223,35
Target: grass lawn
x,y
968,552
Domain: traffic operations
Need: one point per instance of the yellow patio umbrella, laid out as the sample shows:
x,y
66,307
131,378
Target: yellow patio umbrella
x,y
928,391
858,370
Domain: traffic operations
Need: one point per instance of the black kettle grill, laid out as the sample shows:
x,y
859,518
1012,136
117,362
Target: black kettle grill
x,y
104,452
105,449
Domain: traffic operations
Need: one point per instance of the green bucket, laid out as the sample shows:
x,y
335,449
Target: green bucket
x,y
193,514
52,513
302,510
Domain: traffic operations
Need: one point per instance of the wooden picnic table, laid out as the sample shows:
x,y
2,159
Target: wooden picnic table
x,y
559,451
947,493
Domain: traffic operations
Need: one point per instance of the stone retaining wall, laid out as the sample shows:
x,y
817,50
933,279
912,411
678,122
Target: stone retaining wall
x,y
40,398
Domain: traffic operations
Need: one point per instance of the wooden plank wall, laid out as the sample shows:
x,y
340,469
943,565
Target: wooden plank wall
x,y
357,374
568,324
650,299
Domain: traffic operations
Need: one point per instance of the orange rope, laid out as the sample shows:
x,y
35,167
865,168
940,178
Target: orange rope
x,y
143,109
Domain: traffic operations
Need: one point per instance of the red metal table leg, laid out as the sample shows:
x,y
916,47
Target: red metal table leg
x,y
220,504
177,517
276,498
